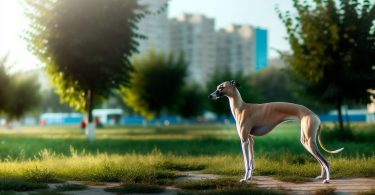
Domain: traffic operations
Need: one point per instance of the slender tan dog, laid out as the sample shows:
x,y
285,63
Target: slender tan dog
x,y
260,119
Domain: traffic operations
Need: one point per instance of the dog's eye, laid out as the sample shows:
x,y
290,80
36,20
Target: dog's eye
x,y
221,88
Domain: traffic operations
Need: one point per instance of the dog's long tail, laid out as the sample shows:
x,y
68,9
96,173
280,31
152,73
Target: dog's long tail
x,y
324,148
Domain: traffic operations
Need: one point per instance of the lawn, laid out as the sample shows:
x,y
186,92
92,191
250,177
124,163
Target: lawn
x,y
155,157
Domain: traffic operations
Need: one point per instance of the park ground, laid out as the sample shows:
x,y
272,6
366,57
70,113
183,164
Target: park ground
x,y
191,159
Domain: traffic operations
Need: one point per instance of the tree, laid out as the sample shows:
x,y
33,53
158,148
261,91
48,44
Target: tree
x,y
85,45
221,107
333,48
156,83
25,96
4,86
278,85
192,101
51,102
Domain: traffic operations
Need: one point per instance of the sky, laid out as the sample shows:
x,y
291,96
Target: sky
x,y
259,13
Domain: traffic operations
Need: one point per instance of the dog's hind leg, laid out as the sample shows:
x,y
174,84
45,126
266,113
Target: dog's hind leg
x,y
311,146
324,162
304,142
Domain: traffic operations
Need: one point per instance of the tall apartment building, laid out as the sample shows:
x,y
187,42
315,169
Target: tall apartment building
x,y
241,48
194,35
155,27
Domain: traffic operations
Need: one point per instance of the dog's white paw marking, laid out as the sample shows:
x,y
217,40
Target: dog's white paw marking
x,y
243,180
326,181
319,177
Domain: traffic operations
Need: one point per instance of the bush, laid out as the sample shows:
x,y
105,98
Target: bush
x,y
355,133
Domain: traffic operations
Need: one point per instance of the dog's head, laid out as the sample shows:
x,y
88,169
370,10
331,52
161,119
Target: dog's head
x,y
226,88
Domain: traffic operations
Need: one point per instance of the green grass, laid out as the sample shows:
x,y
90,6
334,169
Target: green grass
x,y
325,191
149,156
46,192
371,192
244,191
212,184
19,186
226,185
136,188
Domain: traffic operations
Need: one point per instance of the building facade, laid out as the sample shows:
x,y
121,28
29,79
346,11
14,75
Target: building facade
x,y
194,36
155,27
241,48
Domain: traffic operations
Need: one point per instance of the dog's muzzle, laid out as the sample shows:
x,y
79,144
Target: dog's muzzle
x,y
215,95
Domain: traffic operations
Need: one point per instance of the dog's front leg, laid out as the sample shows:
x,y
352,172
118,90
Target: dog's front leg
x,y
250,150
245,148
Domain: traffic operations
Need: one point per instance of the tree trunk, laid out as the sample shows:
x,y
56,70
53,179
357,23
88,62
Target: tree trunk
x,y
347,117
339,104
90,127
89,106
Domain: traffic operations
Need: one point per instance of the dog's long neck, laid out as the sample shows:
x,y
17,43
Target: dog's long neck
x,y
236,103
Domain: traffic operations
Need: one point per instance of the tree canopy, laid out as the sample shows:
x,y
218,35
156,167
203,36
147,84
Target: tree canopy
x,y
13,90
156,83
5,84
24,93
333,45
85,45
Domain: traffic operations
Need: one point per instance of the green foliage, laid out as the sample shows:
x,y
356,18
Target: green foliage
x,y
14,185
13,90
156,83
40,175
333,46
248,92
5,82
192,101
24,93
84,44
278,85
177,166
51,102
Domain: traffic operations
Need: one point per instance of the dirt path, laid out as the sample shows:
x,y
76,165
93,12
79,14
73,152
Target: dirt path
x,y
342,186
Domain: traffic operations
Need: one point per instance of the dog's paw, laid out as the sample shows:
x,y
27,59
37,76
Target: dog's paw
x,y
243,180
249,178
326,181
319,177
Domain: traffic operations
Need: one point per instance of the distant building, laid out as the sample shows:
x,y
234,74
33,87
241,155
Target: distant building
x,y
261,49
194,35
155,27
242,48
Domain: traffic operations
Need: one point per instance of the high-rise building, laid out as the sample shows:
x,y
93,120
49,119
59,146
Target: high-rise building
x,y
261,49
241,48
155,27
194,36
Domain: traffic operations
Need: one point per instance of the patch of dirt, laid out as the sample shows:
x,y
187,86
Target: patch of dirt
x,y
342,186
195,175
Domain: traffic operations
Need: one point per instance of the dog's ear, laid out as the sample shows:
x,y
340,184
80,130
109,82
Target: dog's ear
x,y
233,82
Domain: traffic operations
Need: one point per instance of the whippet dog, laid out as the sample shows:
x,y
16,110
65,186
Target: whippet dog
x,y
260,119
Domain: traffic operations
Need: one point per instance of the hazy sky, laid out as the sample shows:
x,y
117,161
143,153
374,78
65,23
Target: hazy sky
x,y
254,12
